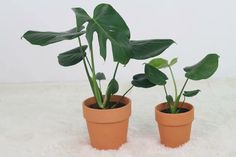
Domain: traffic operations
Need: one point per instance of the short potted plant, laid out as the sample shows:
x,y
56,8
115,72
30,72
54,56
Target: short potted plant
x,y
174,117
106,114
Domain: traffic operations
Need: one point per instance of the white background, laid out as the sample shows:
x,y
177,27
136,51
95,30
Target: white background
x,y
198,27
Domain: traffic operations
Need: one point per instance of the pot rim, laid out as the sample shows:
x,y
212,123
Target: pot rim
x,y
107,115
177,119
104,110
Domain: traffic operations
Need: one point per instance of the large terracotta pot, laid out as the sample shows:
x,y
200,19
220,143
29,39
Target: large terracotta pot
x,y
174,129
107,127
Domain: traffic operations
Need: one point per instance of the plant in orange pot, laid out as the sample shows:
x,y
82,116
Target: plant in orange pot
x,y
106,114
174,117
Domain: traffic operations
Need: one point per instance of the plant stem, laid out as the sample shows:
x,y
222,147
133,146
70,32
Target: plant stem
x,y
180,106
114,75
183,87
122,96
174,82
165,90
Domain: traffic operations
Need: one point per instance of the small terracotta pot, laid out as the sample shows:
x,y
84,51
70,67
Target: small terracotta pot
x,y
174,129
107,127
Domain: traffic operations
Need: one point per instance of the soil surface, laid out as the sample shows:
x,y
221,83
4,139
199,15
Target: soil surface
x,y
182,110
110,106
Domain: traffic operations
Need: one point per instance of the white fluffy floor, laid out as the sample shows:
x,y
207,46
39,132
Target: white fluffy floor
x,y
45,120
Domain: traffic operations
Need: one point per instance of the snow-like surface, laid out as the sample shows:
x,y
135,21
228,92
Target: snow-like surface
x,y
45,120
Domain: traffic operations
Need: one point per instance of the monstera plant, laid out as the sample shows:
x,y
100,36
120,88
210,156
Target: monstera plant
x,y
174,117
109,26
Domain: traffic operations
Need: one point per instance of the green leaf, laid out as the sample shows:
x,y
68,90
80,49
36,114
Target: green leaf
x,y
46,38
191,93
144,49
159,63
72,57
203,69
140,80
154,75
100,76
108,25
169,99
173,61
113,87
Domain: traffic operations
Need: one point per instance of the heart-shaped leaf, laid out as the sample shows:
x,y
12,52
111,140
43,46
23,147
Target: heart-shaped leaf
x,y
46,38
154,75
140,80
144,49
72,57
191,93
159,63
203,69
173,61
113,87
100,76
108,25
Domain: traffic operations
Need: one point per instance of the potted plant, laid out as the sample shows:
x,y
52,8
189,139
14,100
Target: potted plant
x,y
106,114
174,117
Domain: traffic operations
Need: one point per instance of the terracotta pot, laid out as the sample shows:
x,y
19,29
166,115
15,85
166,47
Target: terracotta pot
x,y
174,129
108,127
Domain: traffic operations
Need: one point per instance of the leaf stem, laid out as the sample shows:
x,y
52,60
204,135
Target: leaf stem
x,y
114,75
174,82
165,90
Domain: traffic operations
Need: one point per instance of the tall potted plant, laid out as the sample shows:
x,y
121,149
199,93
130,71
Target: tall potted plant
x,y
106,114
174,117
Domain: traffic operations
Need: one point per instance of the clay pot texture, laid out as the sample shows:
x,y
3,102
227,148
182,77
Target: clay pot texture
x,y
107,127
174,129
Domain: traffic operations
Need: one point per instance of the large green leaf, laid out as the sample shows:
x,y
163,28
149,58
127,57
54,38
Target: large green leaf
x,y
159,63
72,57
108,25
154,75
140,80
144,49
46,38
191,93
203,69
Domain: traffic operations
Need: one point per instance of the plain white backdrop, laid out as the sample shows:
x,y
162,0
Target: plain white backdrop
x,y
198,27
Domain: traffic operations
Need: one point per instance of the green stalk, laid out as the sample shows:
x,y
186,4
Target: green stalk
x,y
97,91
181,92
174,82
114,75
86,68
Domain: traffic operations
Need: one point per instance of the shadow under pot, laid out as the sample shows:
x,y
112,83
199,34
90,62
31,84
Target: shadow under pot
x,y
174,129
107,127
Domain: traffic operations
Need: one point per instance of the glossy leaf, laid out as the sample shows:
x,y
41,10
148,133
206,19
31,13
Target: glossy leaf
x,y
203,69
100,76
173,61
140,80
154,75
72,57
144,49
159,63
46,38
108,25
191,93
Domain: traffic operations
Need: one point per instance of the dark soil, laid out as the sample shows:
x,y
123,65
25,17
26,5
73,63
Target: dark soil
x,y
117,105
182,110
